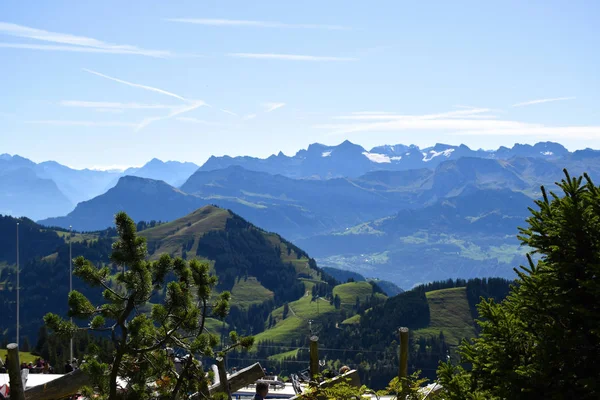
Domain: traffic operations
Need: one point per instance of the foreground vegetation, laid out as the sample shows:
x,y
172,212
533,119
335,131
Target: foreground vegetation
x,y
543,341
142,340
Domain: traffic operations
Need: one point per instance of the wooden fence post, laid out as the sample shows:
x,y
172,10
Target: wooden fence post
x,y
17,391
223,377
403,367
314,356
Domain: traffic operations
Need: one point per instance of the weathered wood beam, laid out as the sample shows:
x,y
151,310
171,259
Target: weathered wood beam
x,y
67,385
240,379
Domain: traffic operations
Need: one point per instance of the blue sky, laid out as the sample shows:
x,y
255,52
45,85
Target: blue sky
x,y
115,83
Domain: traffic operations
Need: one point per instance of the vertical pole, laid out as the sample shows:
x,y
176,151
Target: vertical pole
x,y
18,285
403,368
17,391
71,283
223,377
314,356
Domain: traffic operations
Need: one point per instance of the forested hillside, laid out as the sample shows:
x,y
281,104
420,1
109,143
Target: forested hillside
x,y
261,269
360,328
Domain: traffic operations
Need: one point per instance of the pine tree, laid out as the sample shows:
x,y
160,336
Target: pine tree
x,y
141,339
544,339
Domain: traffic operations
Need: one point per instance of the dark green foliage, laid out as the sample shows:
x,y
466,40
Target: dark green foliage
x,y
55,349
45,286
343,275
34,241
242,250
543,341
286,310
252,320
389,288
337,302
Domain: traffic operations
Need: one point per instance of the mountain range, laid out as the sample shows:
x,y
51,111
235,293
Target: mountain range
x,y
50,189
351,160
47,189
454,215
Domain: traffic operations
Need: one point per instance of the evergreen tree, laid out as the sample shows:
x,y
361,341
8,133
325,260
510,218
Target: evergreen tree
x,y
337,302
544,339
25,345
141,339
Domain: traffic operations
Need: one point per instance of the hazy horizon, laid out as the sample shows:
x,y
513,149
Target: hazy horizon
x,y
111,83
122,168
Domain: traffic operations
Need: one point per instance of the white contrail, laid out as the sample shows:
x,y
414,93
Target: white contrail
x,y
150,88
531,102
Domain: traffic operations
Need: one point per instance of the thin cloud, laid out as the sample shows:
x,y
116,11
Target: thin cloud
x,y
290,57
540,101
255,24
453,123
148,121
228,112
470,113
272,106
104,105
109,110
82,123
192,104
73,43
150,88
373,112
249,116
198,121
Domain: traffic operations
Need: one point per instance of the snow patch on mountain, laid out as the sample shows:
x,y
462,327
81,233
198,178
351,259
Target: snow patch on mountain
x,y
377,158
326,154
547,153
432,154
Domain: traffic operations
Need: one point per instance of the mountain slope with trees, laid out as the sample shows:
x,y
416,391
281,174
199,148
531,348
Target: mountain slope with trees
x,y
243,256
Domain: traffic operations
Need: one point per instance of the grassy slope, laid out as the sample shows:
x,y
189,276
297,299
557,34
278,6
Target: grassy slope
x,y
281,356
450,313
215,326
249,291
348,293
23,356
353,320
172,236
295,326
